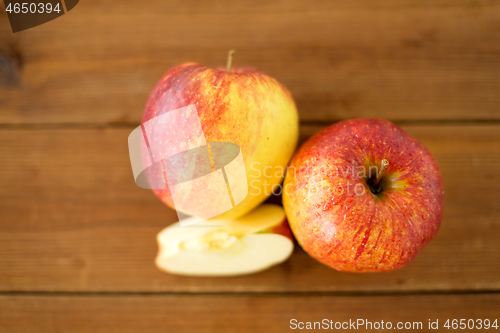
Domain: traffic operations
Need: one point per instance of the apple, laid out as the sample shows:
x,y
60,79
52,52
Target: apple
x,y
363,196
242,106
225,247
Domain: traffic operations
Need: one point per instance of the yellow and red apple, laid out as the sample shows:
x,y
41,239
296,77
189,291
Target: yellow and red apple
x,y
241,106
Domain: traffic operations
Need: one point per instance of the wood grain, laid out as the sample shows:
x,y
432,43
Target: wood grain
x,y
417,60
265,313
72,219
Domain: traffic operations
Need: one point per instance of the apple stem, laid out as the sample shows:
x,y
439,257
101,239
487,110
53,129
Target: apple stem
x,y
230,60
383,166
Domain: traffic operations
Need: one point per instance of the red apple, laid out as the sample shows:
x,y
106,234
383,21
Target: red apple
x,y
363,196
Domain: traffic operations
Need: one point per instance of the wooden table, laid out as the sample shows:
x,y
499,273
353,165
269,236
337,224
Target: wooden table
x,y
77,236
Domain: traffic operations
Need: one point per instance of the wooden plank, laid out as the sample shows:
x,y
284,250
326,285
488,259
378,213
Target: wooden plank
x,y
72,219
217,313
425,60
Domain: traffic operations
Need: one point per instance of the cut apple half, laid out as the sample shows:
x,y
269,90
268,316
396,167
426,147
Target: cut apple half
x,y
225,247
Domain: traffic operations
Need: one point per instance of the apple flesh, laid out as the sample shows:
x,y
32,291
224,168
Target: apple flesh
x,y
225,247
245,107
355,220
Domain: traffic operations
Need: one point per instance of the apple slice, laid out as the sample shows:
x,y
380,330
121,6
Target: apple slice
x,y
244,255
225,247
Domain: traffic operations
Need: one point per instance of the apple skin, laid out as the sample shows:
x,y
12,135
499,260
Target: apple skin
x,y
361,231
283,229
245,107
